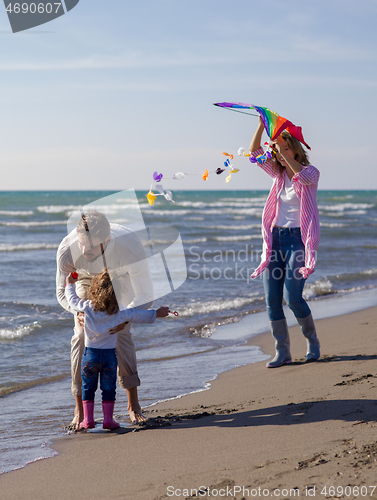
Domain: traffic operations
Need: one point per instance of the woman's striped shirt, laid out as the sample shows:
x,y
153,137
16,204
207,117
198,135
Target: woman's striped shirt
x,y
305,184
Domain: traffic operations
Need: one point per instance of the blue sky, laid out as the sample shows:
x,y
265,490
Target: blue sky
x,y
102,97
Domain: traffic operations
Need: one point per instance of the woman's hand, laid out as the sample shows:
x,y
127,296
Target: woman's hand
x,y
278,144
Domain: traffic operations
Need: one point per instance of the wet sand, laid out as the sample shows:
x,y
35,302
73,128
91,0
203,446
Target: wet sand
x,y
307,430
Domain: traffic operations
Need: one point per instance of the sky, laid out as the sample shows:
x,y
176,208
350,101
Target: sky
x,y
105,95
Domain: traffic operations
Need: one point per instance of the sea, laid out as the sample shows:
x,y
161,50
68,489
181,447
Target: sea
x,y
220,238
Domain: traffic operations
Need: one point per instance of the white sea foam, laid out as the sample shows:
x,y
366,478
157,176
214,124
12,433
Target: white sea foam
x,y
217,305
261,199
195,240
236,228
161,213
19,332
333,224
318,288
27,246
34,223
57,209
238,238
250,203
106,209
16,212
369,271
342,207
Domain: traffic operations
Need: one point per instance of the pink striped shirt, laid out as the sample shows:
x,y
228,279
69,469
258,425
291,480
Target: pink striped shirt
x,y
305,184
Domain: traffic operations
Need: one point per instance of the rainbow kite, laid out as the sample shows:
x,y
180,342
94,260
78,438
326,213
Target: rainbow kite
x,y
273,123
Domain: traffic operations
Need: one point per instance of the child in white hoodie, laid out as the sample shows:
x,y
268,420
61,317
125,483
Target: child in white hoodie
x,y
102,314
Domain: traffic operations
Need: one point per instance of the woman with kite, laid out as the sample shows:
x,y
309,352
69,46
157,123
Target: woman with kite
x,y
290,229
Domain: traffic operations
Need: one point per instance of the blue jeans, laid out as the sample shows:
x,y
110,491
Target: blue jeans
x,y
282,273
102,363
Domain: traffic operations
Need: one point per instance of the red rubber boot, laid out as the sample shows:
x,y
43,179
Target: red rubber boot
x,y
88,422
108,411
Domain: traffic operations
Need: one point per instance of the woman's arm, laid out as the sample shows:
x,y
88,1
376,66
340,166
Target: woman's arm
x,y
257,138
282,148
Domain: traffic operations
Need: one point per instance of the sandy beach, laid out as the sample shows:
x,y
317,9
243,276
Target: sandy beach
x,y
307,430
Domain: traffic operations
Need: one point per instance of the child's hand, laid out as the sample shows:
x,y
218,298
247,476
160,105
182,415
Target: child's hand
x,y
162,312
71,278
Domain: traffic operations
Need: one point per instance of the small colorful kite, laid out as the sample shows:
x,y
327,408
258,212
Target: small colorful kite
x,y
274,124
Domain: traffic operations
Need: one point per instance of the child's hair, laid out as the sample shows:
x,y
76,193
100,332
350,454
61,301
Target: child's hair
x,y
102,295
296,146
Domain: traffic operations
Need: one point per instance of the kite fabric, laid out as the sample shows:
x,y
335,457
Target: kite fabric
x,y
274,124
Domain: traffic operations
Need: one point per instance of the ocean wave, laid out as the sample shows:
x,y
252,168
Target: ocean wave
x,y
34,223
261,199
241,211
342,214
370,271
69,209
342,207
27,246
150,210
218,305
4,391
16,212
236,228
318,288
18,332
238,238
58,209
333,224
237,204
195,240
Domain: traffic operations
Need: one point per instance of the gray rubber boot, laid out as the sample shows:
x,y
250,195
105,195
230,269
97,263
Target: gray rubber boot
x,y
308,329
279,330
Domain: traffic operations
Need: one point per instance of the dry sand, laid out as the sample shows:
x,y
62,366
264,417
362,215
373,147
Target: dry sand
x,y
312,427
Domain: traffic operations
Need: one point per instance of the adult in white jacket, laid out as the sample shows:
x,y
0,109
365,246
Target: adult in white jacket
x,y
93,245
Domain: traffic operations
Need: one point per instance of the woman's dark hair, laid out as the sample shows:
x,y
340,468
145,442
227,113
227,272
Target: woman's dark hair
x,y
102,295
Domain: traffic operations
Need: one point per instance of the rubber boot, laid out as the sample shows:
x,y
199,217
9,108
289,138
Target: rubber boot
x,y
108,410
88,422
308,329
279,330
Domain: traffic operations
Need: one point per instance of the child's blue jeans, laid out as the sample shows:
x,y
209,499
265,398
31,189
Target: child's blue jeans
x,y
102,363
282,273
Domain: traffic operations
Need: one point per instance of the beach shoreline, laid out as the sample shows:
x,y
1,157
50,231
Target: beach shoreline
x,y
306,426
